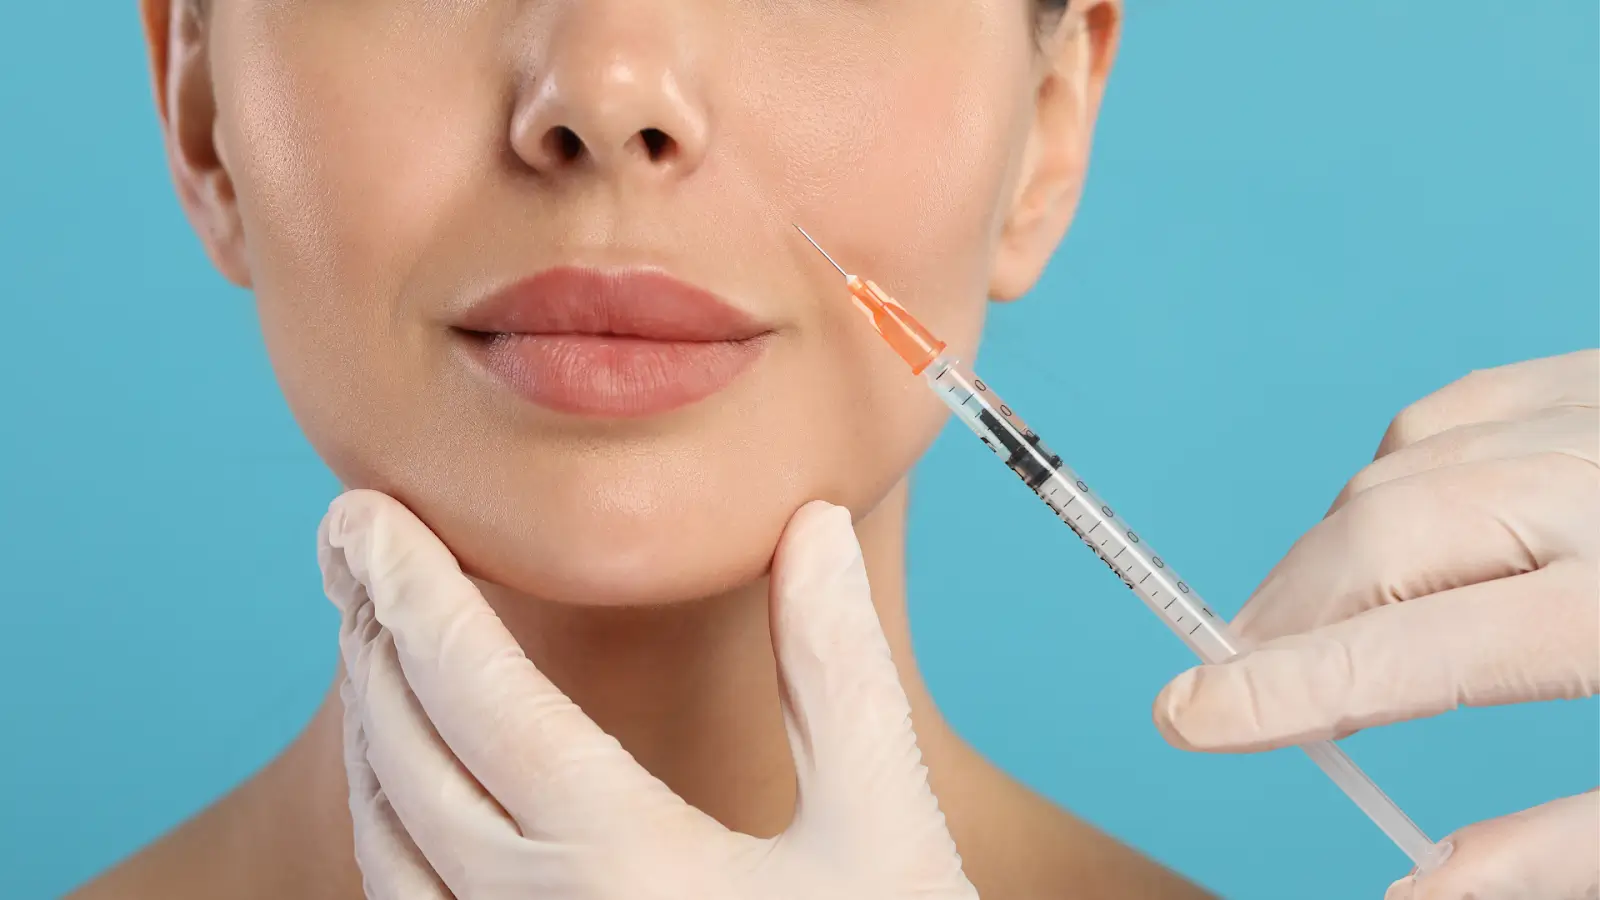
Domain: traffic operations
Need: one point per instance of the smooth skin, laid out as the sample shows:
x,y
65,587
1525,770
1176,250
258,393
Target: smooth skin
x,y
365,167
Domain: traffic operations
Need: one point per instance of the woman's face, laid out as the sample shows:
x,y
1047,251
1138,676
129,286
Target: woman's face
x,y
381,169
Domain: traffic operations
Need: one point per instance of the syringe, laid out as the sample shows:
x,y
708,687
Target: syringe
x,y
1122,550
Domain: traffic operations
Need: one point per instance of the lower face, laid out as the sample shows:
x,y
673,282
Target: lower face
x,y
383,185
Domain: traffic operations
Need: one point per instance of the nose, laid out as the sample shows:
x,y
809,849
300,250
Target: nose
x,y
612,91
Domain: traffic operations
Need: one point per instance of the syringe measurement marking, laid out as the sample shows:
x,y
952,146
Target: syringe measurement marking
x,y
1053,493
1131,567
1007,435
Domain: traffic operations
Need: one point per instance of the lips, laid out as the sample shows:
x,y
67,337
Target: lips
x,y
617,342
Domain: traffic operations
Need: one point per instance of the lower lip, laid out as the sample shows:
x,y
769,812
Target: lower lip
x,y
613,376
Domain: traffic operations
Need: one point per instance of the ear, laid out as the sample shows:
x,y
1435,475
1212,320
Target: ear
x,y
177,35
1076,58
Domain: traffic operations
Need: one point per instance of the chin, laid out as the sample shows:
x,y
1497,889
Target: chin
x,y
609,549
592,565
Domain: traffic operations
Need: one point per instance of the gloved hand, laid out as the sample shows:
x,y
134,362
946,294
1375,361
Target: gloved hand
x,y
1461,567
471,775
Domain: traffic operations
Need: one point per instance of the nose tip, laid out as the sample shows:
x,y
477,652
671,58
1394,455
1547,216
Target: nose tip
x,y
617,120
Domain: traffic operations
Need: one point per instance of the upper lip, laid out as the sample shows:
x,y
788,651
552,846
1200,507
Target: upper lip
x,y
639,303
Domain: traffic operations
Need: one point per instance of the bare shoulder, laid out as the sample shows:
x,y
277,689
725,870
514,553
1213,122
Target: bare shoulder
x,y
253,844
176,867
1017,845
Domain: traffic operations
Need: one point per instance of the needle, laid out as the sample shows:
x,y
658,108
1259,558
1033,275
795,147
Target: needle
x,y
822,251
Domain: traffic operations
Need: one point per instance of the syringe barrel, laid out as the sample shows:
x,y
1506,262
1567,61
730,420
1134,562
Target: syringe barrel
x,y
1132,560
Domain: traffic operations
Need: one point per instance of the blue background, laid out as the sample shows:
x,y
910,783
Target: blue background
x,y
1302,216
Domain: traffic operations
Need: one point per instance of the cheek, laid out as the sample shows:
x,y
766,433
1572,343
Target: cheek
x,y
902,166
350,155
347,154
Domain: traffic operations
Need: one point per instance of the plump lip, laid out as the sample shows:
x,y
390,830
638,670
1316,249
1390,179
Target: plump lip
x,y
611,342
638,303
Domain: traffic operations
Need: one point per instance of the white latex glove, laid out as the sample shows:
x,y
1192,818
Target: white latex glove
x,y
471,775
1462,567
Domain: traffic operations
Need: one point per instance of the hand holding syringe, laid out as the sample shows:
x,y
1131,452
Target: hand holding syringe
x,y
1103,532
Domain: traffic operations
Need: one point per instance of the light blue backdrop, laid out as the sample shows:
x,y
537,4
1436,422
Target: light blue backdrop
x,y
1302,216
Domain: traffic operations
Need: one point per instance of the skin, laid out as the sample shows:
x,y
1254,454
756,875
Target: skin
x,y
367,168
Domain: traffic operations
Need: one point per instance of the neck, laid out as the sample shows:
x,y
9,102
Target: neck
x,y
690,689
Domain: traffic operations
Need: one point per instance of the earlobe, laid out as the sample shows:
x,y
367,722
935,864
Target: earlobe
x,y
176,34
1077,60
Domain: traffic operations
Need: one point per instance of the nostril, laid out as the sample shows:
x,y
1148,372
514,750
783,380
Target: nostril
x,y
657,143
563,144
